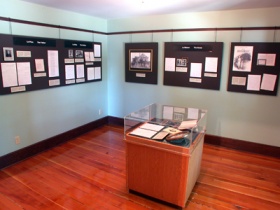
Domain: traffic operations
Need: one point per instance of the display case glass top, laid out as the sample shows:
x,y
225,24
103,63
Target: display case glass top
x,y
166,123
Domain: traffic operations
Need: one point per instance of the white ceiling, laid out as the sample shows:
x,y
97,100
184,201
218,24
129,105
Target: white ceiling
x,y
113,9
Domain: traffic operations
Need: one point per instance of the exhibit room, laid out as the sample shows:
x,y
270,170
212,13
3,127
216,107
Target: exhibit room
x,y
69,67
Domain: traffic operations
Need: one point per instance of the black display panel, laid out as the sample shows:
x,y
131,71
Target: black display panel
x,y
32,63
193,64
254,68
141,62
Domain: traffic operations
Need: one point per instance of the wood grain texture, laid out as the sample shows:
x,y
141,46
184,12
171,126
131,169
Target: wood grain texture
x,y
163,178
89,172
163,171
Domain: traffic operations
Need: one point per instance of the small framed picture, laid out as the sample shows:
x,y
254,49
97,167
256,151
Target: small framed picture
x,y
181,62
141,64
140,60
79,54
70,54
8,53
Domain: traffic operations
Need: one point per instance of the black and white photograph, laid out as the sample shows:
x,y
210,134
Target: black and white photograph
x,y
79,54
70,54
140,60
181,62
8,53
242,59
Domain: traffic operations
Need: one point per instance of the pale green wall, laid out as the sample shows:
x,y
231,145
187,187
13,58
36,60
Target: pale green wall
x,y
240,116
38,115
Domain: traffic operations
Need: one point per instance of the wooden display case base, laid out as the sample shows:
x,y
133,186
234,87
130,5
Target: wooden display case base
x,y
163,171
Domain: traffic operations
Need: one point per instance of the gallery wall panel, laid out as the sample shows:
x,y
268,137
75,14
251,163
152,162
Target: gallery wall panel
x,y
31,63
193,64
254,68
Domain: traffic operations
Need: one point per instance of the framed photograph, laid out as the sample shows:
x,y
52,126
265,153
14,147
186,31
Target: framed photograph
x,y
141,62
70,54
8,53
181,62
79,54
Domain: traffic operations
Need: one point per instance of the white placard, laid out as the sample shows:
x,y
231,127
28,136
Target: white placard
x,y
238,81
268,82
69,72
39,65
90,73
80,70
24,54
53,63
196,69
211,64
24,73
254,82
169,64
9,74
97,72
97,50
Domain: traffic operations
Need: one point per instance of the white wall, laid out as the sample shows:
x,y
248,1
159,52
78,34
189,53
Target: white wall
x,y
241,116
38,115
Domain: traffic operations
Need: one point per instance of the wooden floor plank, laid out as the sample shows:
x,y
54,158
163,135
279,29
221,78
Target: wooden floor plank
x,y
7,203
94,155
256,159
70,164
91,145
38,185
247,190
72,184
23,195
239,177
89,172
263,173
199,199
236,199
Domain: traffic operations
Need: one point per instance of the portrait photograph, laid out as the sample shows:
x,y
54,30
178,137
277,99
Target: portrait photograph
x,y
8,53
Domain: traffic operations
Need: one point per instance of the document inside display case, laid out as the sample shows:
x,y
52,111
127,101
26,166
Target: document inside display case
x,y
168,124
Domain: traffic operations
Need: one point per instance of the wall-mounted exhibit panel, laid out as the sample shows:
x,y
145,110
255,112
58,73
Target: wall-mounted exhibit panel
x,y
30,63
193,64
254,68
141,62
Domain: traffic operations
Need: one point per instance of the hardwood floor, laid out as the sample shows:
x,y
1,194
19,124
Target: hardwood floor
x,y
89,173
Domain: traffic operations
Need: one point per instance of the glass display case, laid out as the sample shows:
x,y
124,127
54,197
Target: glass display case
x,y
164,146
168,124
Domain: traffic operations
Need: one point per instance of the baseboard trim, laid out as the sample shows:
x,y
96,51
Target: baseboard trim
x,y
115,121
46,144
41,146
